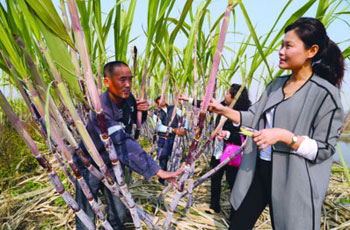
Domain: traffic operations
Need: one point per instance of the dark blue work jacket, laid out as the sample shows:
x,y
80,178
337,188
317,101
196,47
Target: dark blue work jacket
x,y
129,151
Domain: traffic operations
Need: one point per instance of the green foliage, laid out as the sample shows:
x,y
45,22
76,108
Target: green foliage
x,y
27,187
144,143
59,202
15,157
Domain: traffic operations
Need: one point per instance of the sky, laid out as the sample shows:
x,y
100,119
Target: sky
x,y
262,13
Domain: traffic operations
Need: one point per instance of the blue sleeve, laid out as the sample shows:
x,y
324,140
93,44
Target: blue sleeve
x,y
161,128
132,155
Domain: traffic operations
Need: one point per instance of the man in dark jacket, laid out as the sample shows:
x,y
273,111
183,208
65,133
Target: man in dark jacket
x,y
120,109
167,129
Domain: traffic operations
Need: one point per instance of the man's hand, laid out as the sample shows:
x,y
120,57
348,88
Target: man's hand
x,y
183,97
141,105
179,132
221,135
171,177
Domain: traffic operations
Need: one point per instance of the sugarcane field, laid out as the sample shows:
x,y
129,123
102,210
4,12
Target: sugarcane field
x,y
174,114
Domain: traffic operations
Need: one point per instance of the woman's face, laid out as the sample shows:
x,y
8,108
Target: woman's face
x,y
293,54
228,98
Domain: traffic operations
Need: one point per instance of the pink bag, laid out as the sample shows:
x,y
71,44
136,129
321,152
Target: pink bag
x,y
229,150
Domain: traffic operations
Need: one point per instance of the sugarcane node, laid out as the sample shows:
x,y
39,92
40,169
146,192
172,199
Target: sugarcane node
x,y
102,121
114,161
43,162
104,136
181,188
76,172
110,181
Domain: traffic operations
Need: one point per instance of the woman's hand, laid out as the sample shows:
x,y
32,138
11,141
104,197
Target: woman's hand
x,y
267,137
215,106
221,135
183,97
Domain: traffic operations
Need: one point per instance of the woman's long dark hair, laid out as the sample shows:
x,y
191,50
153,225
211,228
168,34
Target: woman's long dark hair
x,y
328,63
243,102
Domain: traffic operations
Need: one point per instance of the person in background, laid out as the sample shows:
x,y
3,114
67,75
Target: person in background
x,y
287,162
167,129
228,134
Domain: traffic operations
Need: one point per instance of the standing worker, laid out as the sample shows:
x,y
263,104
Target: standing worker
x,y
120,109
167,129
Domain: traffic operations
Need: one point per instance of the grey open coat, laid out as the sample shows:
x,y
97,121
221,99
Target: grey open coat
x,y
298,185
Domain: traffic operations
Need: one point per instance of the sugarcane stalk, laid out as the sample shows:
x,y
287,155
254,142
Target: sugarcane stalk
x,y
168,128
190,188
208,95
75,58
67,157
159,107
203,178
65,153
142,94
176,198
81,45
77,150
86,162
44,163
175,158
138,122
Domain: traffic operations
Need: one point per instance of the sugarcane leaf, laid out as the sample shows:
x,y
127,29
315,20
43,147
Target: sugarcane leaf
x,y
122,27
297,14
127,25
47,13
344,12
345,167
8,46
107,25
246,131
85,11
183,15
188,53
346,52
185,28
63,60
276,22
254,35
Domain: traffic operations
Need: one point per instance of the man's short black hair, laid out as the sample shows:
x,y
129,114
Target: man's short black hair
x,y
158,98
109,67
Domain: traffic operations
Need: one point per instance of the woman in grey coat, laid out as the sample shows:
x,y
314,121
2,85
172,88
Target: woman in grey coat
x,y
287,162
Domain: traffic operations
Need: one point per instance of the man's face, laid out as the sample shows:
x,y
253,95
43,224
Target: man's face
x,y
163,104
120,82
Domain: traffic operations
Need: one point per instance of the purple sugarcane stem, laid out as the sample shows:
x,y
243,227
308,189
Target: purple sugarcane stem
x,y
216,61
90,82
